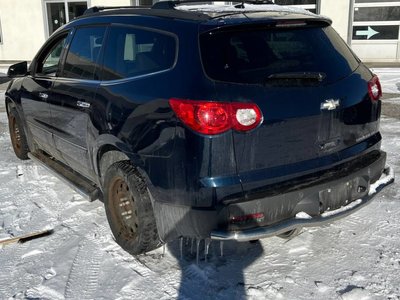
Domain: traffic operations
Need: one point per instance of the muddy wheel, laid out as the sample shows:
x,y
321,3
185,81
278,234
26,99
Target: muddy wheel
x,y
290,234
129,209
17,134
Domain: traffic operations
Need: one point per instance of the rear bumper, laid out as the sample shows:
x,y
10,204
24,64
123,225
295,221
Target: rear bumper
x,y
298,222
325,198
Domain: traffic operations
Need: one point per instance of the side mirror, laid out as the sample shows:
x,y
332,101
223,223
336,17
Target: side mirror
x,y
18,70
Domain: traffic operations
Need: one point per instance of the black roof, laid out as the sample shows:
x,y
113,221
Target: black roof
x,y
168,9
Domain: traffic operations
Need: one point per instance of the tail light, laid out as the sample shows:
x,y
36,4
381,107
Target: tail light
x,y
212,118
374,89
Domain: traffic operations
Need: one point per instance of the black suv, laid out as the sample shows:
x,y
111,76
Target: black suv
x,y
237,121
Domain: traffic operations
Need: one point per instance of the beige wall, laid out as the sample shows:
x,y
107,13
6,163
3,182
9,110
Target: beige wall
x,y
24,26
23,29
338,11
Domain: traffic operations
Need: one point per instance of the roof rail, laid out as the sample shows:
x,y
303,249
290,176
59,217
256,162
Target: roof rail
x,y
172,4
96,9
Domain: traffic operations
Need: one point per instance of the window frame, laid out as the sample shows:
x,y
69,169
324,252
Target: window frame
x,y
44,53
121,80
372,4
100,58
1,35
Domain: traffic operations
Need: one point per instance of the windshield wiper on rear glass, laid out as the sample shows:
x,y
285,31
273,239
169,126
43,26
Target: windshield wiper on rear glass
x,y
319,76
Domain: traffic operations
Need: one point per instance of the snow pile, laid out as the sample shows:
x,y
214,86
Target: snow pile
x,y
342,209
303,215
215,8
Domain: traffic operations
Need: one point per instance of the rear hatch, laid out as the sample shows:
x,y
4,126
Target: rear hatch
x,y
311,89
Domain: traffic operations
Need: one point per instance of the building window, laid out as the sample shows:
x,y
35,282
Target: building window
x,y
375,30
376,20
143,2
60,13
311,5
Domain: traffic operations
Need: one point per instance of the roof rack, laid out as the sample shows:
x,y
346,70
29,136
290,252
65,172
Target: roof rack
x,y
96,9
172,4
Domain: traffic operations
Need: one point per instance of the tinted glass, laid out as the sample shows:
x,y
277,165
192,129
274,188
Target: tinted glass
x,y
83,55
388,13
48,61
253,56
131,52
386,32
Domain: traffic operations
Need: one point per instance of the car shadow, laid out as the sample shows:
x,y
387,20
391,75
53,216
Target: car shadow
x,y
217,275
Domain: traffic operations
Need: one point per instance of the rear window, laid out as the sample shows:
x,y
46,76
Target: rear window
x,y
257,56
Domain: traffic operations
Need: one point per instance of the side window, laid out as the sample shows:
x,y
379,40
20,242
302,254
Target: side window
x,y
82,61
48,65
131,52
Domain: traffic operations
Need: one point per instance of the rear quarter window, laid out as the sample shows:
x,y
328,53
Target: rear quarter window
x,y
131,52
253,55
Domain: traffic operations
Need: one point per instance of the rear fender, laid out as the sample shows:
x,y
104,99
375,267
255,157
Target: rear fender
x,y
108,150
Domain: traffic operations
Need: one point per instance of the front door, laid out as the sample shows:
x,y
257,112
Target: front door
x,y
73,95
37,93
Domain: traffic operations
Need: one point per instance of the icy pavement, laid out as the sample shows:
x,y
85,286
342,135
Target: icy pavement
x,y
355,258
389,78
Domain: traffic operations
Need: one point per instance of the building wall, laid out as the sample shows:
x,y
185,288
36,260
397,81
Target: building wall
x,y
23,26
23,29
338,11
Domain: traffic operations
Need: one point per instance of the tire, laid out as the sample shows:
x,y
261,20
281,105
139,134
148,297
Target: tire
x,y
129,210
290,234
17,135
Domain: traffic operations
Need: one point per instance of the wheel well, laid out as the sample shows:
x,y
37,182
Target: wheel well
x,y
107,156
8,105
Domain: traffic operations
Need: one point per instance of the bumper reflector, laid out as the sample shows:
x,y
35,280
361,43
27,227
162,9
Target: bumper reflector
x,y
258,217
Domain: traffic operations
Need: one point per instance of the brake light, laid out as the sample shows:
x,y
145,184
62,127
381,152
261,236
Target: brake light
x,y
212,118
374,89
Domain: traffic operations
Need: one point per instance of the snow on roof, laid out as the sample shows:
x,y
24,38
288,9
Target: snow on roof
x,y
218,8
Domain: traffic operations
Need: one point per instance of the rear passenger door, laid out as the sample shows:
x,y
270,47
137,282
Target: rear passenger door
x,y
136,78
73,95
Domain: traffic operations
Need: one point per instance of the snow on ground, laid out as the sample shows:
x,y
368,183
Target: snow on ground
x,y
355,258
389,78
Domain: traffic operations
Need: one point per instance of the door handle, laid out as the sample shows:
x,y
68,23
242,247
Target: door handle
x,y
82,104
43,95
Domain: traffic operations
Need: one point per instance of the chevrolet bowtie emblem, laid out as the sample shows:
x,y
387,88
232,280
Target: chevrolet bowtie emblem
x,y
330,104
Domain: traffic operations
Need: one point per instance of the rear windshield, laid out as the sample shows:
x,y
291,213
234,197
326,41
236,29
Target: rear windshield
x,y
258,56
